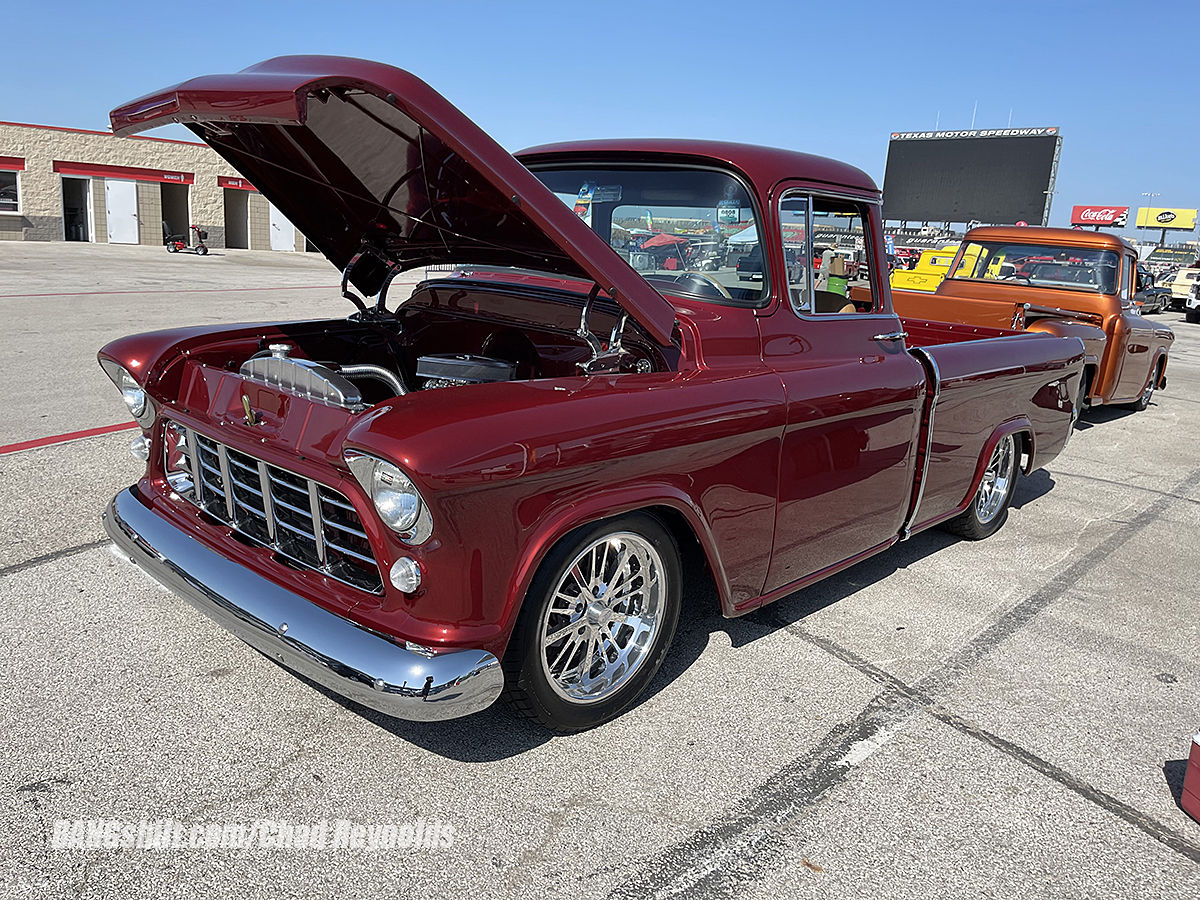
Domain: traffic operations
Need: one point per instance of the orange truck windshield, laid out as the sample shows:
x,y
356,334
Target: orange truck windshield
x,y
1070,268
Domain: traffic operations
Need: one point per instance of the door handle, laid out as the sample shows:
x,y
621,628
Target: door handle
x,y
891,336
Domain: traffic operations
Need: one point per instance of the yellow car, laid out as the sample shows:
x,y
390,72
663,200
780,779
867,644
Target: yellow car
x,y
931,269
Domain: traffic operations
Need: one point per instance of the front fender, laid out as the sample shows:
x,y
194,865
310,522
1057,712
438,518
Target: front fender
x,y
508,469
606,505
1093,337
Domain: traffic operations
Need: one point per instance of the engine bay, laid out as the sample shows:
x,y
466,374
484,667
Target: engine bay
x,y
450,333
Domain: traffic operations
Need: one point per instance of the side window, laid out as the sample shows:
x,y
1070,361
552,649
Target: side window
x,y
1127,280
841,256
828,253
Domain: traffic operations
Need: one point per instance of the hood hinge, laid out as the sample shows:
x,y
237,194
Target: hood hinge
x,y
603,360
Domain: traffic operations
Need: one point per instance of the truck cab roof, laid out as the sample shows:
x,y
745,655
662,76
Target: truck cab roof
x,y
1067,237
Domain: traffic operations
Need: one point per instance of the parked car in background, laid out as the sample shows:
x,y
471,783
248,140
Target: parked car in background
x,y
750,266
1063,281
929,271
1192,304
489,487
1152,299
1181,285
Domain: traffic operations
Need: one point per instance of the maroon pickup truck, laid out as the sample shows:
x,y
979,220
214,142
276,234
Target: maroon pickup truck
x,y
485,488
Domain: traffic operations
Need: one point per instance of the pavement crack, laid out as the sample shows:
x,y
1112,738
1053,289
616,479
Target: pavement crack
x,y
1127,485
926,703
51,557
724,858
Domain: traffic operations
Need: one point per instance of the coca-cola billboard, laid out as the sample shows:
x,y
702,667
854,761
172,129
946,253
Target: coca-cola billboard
x,y
1100,215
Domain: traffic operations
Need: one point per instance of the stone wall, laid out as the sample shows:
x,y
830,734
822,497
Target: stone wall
x,y
149,201
260,222
41,215
100,212
12,228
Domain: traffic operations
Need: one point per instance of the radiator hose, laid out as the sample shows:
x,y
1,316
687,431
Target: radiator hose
x,y
379,373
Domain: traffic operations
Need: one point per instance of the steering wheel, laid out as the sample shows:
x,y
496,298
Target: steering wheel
x,y
710,282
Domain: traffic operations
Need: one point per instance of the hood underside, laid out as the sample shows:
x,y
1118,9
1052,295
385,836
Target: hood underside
x,y
367,159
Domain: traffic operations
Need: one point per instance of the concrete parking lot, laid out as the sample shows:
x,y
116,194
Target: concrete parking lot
x,y
948,719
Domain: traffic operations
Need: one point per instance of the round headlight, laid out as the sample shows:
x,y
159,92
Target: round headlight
x,y
395,498
132,394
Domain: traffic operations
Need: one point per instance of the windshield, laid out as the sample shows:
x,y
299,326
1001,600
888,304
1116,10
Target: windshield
x,y
691,231
1070,268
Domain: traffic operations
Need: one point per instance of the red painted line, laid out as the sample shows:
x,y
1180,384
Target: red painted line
x,y
307,287
64,438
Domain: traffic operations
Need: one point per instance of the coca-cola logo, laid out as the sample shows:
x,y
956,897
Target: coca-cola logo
x,y
1165,216
1098,215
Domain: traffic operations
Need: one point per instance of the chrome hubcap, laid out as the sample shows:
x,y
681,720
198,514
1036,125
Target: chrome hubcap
x,y
603,618
997,481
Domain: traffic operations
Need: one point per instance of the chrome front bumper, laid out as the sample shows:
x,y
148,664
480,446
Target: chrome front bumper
x,y
330,650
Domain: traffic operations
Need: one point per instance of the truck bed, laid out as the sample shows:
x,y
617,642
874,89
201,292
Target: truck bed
x,y
924,333
984,377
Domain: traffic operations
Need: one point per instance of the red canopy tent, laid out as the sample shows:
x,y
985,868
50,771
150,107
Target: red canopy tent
x,y
663,240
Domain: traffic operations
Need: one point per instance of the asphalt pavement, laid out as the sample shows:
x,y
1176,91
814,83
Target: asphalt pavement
x,y
1006,718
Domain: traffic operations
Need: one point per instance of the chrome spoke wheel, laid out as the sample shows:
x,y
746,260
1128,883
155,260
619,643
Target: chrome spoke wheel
x,y
997,481
603,617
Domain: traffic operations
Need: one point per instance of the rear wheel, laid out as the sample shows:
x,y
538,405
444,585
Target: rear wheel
x,y
1192,315
1084,401
1143,401
596,623
989,507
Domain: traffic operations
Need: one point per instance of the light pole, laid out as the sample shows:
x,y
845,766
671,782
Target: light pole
x,y
1150,195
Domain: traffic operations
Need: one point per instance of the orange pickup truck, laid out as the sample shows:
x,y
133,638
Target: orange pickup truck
x,y
1062,281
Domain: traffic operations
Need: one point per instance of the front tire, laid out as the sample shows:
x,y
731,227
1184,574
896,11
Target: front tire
x,y
989,507
596,624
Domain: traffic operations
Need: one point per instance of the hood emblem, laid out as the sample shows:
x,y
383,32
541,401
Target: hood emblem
x,y
251,415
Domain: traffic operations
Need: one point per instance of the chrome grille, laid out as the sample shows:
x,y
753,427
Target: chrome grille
x,y
303,520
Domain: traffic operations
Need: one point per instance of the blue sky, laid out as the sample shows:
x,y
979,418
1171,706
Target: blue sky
x,y
1121,79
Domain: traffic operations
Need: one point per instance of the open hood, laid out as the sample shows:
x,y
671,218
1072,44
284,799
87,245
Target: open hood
x,y
363,156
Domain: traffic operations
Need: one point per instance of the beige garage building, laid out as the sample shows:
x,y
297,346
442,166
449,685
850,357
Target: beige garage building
x,y
66,184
